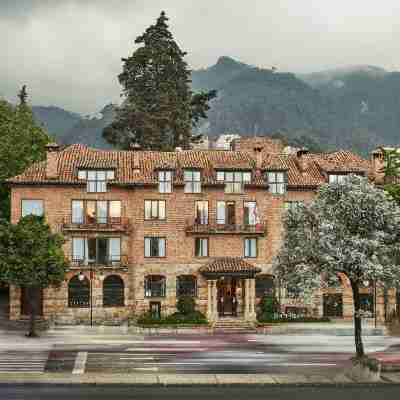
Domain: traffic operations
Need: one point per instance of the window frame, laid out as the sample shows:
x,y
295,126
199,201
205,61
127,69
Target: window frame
x,y
196,213
256,247
109,175
193,292
86,261
236,179
32,200
200,239
121,303
256,217
191,183
109,219
158,210
165,182
274,184
147,289
158,247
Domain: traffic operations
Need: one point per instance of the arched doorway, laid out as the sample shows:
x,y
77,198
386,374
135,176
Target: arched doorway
x,y
4,300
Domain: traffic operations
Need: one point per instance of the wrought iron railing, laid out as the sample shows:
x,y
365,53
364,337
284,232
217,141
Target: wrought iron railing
x,y
110,261
193,227
120,224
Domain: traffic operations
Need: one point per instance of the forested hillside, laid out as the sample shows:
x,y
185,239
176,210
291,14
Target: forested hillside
x,y
355,108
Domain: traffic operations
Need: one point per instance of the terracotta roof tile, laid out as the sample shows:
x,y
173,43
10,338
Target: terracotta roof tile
x,y
229,265
140,167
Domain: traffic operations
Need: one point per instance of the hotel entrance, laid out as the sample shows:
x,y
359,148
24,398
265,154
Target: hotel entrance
x,y
227,296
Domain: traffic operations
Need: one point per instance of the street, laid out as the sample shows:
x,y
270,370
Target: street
x,y
122,392
180,354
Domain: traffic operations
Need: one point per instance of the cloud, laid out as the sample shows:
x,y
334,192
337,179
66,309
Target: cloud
x,y
69,52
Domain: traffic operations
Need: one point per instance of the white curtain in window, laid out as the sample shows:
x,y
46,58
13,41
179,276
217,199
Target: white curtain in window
x,y
115,249
147,245
161,247
220,212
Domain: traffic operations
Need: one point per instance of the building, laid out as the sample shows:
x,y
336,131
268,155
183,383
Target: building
x,y
144,227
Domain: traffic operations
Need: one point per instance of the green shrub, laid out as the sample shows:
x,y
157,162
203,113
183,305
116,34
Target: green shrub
x,y
186,305
268,306
194,318
268,319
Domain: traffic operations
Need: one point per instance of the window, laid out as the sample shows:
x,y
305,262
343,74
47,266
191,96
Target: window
x,y
32,207
113,291
192,181
250,247
165,181
367,303
100,250
186,285
96,212
292,205
78,292
264,285
201,247
293,292
277,182
154,209
154,286
96,179
333,305
226,212
251,213
234,181
154,247
202,212
339,179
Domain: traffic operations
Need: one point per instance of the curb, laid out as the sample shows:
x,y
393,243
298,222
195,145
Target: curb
x,y
164,380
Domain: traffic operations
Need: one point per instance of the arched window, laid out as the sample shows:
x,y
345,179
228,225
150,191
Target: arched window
x,y
154,286
113,291
186,285
333,304
264,285
78,292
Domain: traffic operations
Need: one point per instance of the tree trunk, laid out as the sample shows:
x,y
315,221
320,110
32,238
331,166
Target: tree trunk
x,y
33,300
357,320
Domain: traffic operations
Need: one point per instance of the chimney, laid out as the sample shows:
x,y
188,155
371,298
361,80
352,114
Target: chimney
x,y
378,164
52,150
301,160
259,156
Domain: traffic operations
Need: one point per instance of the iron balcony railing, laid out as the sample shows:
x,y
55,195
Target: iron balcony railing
x,y
109,261
194,227
120,224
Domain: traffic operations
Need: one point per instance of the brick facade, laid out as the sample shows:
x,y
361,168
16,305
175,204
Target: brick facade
x,y
136,182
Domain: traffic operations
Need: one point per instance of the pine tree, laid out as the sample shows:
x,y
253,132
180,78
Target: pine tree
x,y
159,109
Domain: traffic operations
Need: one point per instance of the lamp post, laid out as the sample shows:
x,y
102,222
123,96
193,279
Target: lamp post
x,y
81,277
375,302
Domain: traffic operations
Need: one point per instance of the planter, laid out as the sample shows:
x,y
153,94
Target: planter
x,y
365,369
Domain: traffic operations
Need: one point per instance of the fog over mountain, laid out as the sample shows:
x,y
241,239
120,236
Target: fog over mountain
x,y
356,107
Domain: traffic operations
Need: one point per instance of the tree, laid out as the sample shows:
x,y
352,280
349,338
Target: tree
x,y
31,256
392,171
159,110
22,142
349,229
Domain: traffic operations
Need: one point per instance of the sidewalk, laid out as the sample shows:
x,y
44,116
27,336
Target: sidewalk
x,y
187,379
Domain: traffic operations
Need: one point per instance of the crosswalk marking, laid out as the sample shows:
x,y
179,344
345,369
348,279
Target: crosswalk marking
x,y
34,362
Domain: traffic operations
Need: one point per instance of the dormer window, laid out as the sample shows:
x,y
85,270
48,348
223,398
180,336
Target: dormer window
x,y
277,182
96,179
234,181
192,181
337,178
165,181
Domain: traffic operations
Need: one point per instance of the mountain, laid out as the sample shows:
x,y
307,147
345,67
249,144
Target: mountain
x,y
353,108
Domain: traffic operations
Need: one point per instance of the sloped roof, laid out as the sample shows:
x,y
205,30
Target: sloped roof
x,y
229,265
140,167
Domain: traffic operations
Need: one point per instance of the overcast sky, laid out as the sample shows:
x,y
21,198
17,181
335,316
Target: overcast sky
x,y
69,52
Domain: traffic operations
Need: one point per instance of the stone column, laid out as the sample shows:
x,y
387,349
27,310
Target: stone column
x,y
246,299
215,300
209,301
252,299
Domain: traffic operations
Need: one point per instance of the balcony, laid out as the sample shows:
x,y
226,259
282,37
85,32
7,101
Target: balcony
x,y
112,225
108,262
194,228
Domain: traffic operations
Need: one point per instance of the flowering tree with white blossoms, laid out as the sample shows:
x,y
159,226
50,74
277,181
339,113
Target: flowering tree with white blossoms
x,y
350,228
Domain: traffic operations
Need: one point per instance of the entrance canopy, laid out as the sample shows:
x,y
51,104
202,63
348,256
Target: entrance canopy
x,y
231,266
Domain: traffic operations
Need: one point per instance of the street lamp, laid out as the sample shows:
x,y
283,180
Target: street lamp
x,y
81,277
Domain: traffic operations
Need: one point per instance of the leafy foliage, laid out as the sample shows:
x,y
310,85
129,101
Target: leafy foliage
x,y
194,318
31,256
350,229
22,142
159,110
186,305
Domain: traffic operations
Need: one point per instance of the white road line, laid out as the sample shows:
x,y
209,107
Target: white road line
x,y
80,363
136,358
154,369
165,349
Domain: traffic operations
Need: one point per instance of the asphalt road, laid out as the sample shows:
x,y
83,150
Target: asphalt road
x,y
122,392
211,354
